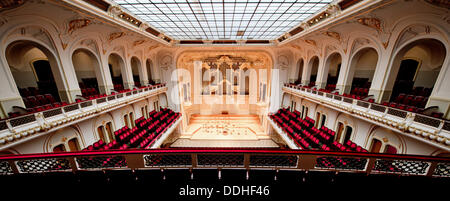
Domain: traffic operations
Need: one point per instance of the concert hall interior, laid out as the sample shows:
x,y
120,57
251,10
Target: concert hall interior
x,y
225,91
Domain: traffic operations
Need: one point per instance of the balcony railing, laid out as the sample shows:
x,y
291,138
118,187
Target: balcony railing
x,y
369,163
19,129
428,129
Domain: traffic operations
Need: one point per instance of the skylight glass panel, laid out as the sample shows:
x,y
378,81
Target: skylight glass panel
x,y
223,19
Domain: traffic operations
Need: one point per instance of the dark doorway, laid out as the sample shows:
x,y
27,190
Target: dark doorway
x,y
46,81
404,82
43,70
376,146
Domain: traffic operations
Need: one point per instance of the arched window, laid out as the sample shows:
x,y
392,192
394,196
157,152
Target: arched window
x,y
300,71
348,134
110,131
135,67
414,72
87,70
101,133
375,147
340,131
117,70
362,68
73,144
314,66
36,74
149,65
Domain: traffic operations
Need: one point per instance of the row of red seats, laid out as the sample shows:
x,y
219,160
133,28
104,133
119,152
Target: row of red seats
x,y
330,87
421,91
39,103
303,132
414,103
361,92
38,100
118,87
412,100
30,91
89,92
78,100
141,136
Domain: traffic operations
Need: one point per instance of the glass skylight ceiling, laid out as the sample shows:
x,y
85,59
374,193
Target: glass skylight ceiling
x,y
223,19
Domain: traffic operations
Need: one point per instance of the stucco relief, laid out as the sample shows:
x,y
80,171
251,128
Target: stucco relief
x,y
165,62
35,32
250,59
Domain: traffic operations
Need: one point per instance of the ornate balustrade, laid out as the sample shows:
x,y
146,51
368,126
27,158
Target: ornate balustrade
x,y
19,129
369,163
425,128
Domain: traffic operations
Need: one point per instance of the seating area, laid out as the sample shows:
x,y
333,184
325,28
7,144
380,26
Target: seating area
x,y
143,135
330,87
360,92
88,92
306,136
407,102
36,102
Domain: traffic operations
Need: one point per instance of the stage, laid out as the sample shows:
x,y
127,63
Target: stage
x,y
224,131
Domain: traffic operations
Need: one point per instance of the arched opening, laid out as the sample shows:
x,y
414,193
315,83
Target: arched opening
x,y
362,69
348,134
116,67
135,66
375,147
35,72
340,131
332,69
149,65
415,68
74,145
300,64
314,67
86,66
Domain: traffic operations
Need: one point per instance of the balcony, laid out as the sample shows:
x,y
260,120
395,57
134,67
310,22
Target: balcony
x,y
17,130
427,129
269,159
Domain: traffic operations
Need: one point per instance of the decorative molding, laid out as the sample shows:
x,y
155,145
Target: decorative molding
x,y
152,47
64,45
138,42
115,35
311,42
296,47
283,62
114,10
78,24
371,22
11,4
333,34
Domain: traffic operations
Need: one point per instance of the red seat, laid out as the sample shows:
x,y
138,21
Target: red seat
x,y
49,98
400,98
392,104
42,100
437,114
33,101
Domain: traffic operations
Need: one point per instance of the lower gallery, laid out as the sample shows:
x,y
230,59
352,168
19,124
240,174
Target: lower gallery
x,y
225,100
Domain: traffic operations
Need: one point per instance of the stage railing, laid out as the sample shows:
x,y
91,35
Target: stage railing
x,y
369,163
